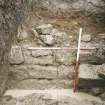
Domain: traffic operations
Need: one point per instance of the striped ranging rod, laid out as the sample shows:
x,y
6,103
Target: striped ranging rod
x,y
76,66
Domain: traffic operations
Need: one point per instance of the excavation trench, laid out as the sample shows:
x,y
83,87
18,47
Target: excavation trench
x,y
45,71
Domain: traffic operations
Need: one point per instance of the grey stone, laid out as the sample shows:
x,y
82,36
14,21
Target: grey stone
x,y
45,60
65,57
65,72
45,72
88,45
86,38
16,56
61,38
47,39
18,72
35,84
44,29
39,53
87,71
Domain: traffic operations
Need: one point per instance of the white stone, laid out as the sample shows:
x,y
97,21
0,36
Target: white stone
x,y
86,38
44,29
48,39
16,56
22,34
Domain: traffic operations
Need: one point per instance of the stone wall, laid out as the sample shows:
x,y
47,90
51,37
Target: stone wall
x,y
40,69
50,69
34,68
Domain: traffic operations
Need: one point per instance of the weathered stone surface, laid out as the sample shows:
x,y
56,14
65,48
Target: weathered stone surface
x,y
34,84
65,72
44,72
44,29
64,57
101,71
61,38
51,97
22,34
48,39
45,60
89,77
18,72
40,53
87,71
88,45
16,56
86,38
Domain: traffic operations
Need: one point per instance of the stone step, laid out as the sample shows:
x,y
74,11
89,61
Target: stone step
x,y
53,94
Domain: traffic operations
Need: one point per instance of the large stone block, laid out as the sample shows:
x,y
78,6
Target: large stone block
x,y
87,71
48,39
18,72
34,84
45,60
86,38
65,57
40,53
16,55
44,72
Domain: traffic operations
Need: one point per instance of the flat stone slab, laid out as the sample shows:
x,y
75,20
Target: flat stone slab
x,y
58,94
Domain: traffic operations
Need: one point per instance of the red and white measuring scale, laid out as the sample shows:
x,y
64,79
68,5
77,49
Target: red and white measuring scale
x,y
76,66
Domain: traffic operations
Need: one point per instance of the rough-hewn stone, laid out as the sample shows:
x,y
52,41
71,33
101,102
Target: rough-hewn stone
x,y
45,60
87,71
44,72
47,39
86,38
39,53
44,29
16,55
